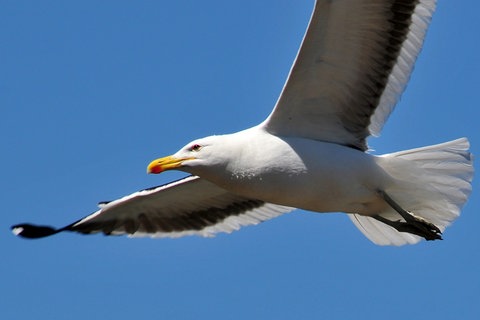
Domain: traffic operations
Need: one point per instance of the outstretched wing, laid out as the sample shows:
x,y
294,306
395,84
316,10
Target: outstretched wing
x,y
352,67
190,206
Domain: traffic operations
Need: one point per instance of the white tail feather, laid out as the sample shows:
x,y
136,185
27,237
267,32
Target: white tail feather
x,y
432,182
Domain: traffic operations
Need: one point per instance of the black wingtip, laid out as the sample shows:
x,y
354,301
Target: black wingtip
x,y
31,231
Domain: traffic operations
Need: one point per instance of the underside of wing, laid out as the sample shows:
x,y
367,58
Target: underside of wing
x,y
190,206
354,62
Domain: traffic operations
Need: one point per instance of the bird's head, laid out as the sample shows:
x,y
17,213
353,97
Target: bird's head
x,y
191,158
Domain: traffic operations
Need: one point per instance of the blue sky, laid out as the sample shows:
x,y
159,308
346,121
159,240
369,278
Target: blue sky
x,y
91,91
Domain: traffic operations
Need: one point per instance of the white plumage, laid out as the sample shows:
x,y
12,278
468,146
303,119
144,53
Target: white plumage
x,y
310,153
433,182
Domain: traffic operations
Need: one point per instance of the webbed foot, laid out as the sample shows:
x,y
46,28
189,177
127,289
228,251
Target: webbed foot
x,y
412,224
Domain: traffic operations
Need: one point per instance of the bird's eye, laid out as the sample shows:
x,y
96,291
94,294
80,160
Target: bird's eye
x,y
195,147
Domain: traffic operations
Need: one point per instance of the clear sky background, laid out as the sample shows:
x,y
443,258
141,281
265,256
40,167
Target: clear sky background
x,y
92,91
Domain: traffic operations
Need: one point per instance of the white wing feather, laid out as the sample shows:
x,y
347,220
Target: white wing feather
x,y
190,206
354,63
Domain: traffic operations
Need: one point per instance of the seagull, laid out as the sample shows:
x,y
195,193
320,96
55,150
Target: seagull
x,y
311,152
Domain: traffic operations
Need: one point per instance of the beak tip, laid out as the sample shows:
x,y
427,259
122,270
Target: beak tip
x,y
154,169
163,164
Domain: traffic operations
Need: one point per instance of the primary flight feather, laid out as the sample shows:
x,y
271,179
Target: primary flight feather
x,y
310,153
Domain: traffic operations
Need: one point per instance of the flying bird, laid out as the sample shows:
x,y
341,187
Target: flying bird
x,y
311,152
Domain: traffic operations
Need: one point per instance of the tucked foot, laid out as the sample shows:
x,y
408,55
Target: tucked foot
x,y
412,224
418,227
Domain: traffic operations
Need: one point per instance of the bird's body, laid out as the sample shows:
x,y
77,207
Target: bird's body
x,y
311,151
295,172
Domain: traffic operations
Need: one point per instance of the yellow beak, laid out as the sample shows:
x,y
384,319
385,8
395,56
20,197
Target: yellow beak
x,y
164,164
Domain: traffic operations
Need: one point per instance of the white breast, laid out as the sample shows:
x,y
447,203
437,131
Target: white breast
x,y
302,173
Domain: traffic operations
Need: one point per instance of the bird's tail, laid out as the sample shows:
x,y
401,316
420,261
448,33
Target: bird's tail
x,y
431,182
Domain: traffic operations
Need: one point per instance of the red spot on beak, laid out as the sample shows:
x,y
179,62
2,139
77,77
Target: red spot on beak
x,y
155,169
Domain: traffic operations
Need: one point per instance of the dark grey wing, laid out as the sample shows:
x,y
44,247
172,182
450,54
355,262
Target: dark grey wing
x,y
190,206
354,63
